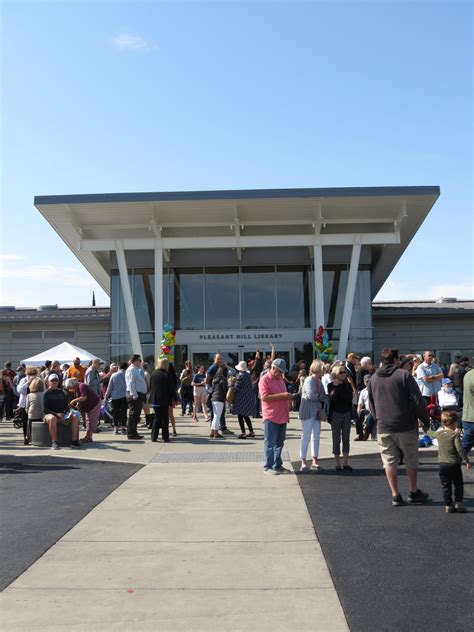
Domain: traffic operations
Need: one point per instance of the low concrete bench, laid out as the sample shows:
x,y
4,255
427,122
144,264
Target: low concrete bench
x,y
40,435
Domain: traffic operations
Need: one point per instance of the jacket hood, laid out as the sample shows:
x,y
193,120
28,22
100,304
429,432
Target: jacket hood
x,y
387,371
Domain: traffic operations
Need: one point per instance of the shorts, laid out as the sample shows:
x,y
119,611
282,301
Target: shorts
x,y
64,422
393,444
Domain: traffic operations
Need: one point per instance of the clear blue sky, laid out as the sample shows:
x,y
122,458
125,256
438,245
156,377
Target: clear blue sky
x,y
156,96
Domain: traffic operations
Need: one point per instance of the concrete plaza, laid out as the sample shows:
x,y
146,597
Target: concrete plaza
x,y
184,545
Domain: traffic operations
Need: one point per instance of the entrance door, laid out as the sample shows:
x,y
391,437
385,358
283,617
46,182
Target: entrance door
x,y
204,355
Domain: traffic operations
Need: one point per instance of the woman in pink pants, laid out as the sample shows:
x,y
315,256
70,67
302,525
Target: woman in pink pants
x,y
89,404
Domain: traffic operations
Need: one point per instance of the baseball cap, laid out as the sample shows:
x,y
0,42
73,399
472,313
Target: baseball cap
x,y
446,380
53,377
279,364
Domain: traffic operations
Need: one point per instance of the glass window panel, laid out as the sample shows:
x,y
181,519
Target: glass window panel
x,y
188,298
30,335
144,299
60,335
118,317
328,281
148,351
222,298
292,297
258,298
120,353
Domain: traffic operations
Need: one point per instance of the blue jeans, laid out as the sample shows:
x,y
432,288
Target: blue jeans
x,y
257,400
340,426
274,438
468,437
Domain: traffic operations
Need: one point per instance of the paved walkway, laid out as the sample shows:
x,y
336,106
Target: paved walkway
x,y
192,438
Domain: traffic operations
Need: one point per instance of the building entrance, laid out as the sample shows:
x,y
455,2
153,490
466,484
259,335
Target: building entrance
x,y
233,354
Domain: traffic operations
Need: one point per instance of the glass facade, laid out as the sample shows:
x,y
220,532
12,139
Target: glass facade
x,y
239,298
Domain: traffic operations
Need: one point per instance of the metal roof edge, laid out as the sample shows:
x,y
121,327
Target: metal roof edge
x,y
242,194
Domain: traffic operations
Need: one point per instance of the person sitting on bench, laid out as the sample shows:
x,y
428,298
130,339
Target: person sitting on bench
x,y
55,408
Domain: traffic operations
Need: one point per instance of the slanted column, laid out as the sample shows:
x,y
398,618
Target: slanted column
x,y
158,299
349,302
318,285
127,299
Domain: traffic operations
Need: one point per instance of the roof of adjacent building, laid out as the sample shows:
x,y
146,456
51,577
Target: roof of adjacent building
x,y
53,314
460,307
83,221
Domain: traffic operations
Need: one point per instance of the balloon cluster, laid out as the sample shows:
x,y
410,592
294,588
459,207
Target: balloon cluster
x,y
168,342
323,346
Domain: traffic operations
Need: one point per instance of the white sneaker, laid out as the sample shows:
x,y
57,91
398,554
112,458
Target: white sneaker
x,y
270,470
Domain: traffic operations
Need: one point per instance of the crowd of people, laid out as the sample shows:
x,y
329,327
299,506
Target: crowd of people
x,y
388,403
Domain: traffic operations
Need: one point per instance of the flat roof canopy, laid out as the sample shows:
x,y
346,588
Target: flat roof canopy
x,y
387,218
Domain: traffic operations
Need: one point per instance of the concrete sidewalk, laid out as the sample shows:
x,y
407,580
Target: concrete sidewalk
x,y
184,547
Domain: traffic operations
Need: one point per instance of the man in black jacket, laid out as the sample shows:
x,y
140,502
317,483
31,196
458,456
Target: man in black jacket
x,y
395,402
161,398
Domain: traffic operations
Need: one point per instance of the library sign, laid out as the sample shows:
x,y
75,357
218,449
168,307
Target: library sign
x,y
241,336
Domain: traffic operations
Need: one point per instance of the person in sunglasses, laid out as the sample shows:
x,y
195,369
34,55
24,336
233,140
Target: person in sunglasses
x,y
340,408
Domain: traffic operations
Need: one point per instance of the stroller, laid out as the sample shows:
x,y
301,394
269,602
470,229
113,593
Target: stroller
x,y
105,414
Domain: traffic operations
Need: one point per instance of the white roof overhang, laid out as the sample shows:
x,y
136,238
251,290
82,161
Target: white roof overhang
x,y
91,224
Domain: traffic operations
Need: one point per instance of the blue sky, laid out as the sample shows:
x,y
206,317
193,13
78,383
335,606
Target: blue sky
x,y
163,96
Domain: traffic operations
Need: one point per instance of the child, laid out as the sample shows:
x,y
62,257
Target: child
x,y
450,456
447,397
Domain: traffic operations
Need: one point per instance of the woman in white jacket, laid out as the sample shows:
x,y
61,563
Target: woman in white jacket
x,y
313,399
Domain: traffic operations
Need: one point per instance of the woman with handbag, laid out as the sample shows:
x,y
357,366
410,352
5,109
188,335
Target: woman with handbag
x,y
311,413
243,404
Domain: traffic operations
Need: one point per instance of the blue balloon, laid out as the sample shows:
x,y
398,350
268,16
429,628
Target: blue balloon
x,y
323,356
168,327
325,339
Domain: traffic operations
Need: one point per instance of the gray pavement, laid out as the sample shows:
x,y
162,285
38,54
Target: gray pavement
x,y
41,501
404,568
183,547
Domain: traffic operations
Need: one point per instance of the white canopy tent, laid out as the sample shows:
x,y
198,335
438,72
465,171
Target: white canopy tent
x,y
65,352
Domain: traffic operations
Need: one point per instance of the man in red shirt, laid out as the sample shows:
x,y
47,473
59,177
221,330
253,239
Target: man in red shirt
x,y
274,397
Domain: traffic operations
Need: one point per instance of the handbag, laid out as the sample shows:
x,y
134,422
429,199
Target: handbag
x,y
229,398
322,413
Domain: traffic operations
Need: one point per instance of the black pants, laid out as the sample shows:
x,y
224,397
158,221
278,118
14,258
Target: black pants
x,y
451,474
119,411
9,403
358,421
134,411
161,421
186,399
244,419
257,400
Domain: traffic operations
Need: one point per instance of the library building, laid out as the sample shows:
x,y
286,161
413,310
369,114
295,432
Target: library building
x,y
233,271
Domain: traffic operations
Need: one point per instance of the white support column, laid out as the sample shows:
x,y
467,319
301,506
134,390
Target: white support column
x,y
318,285
127,299
349,302
158,300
